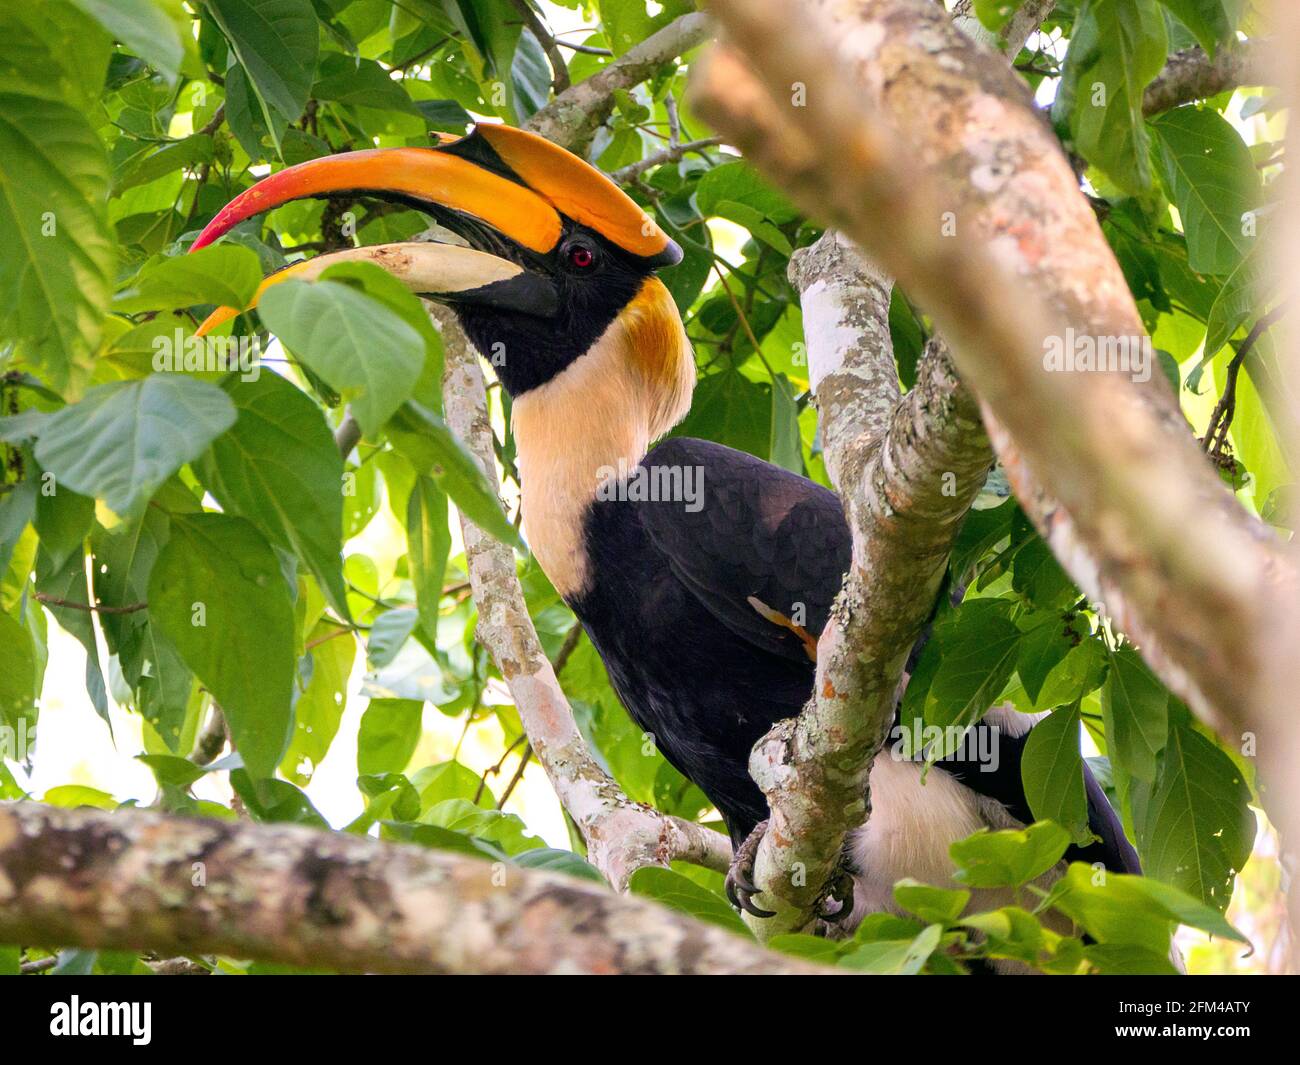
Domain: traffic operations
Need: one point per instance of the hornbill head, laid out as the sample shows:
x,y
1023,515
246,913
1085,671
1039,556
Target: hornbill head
x,y
556,251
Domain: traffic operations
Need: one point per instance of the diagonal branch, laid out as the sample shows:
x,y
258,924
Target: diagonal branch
x,y
573,117
621,835
136,880
1192,75
1102,462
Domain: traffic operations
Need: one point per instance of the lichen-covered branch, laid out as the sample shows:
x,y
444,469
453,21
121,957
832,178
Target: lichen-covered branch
x,y
621,835
907,471
1193,75
573,117
979,215
133,880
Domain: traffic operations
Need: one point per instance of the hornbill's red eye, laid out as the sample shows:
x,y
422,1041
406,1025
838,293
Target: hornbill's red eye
x,y
582,257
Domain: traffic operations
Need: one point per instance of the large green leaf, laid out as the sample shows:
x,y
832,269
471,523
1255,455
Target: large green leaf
x,y
433,449
1116,908
278,466
58,254
143,28
319,708
428,539
1193,826
18,680
218,592
1116,48
675,890
123,440
1207,171
390,730
1211,21
224,274
975,652
1052,773
358,345
277,42
1008,858
1135,706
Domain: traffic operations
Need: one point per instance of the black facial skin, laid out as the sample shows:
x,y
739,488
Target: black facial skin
x,y
528,350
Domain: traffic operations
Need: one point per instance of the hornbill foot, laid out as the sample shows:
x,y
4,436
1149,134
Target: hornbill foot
x,y
839,891
740,877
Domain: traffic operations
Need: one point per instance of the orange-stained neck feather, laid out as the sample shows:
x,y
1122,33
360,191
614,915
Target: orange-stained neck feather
x,y
607,406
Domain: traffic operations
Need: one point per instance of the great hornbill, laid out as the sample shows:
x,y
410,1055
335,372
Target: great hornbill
x,y
693,601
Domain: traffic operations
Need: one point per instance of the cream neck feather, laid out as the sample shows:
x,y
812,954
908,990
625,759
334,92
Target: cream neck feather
x,y
603,409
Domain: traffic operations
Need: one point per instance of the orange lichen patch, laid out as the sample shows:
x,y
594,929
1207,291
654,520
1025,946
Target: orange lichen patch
x,y
777,618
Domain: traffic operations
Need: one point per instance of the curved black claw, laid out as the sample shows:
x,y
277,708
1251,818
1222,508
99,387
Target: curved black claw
x,y
841,890
740,877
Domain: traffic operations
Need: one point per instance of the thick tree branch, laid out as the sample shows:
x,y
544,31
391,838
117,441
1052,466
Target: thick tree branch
x,y
907,471
573,117
133,880
621,835
1134,512
1192,75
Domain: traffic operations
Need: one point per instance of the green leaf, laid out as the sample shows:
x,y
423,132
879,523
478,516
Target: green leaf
x,y
390,731
357,344
319,709
226,275
1124,959
1008,858
451,780
1207,171
787,448
176,772
18,678
218,592
461,815
1193,826
1135,706
933,905
895,957
278,466
1116,48
977,648
59,255
1052,773
1037,576
124,440
63,520
675,890
1238,298
143,28
388,633
558,861
275,801
433,449
1211,21
428,539
1042,648
277,42
1133,910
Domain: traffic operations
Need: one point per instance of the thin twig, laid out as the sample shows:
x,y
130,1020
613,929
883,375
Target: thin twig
x,y
514,780
54,600
560,71
668,155
1216,436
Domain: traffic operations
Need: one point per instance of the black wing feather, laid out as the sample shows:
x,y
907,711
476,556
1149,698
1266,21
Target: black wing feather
x,y
762,532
